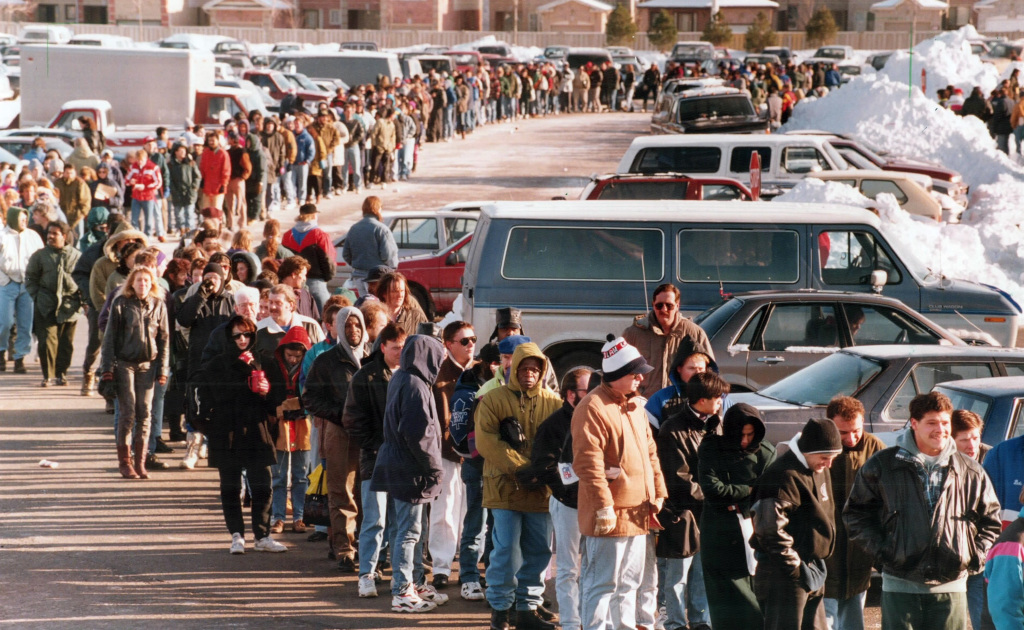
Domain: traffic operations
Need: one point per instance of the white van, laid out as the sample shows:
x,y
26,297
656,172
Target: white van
x,y
785,159
44,34
354,67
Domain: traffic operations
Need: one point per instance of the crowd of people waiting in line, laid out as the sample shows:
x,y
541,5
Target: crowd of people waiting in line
x,y
1002,111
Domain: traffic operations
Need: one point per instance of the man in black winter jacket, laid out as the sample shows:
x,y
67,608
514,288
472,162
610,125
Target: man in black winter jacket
x,y
205,310
363,418
794,529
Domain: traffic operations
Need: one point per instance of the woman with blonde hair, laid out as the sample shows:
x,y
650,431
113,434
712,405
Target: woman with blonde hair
x,y
135,358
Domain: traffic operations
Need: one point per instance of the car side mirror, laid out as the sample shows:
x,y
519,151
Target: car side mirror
x,y
452,259
878,280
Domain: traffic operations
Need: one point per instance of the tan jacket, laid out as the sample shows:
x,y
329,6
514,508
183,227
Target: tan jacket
x,y
611,431
1017,115
660,348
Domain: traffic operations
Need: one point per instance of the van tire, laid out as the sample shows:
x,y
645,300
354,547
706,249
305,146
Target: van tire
x,y
576,359
423,297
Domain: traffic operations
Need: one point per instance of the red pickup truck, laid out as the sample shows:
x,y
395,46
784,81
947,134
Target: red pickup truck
x,y
278,85
665,186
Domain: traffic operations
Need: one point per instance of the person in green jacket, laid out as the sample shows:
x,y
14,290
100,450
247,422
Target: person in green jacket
x,y
58,301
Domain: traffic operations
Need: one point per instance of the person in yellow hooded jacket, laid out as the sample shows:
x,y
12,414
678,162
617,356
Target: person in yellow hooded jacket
x,y
507,419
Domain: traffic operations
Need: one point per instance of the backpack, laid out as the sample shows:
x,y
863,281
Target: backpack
x,y
462,427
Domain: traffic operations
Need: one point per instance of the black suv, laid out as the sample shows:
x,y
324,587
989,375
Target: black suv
x,y
713,110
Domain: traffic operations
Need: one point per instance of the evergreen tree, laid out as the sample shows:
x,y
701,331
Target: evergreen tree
x,y
717,31
662,33
760,35
821,28
621,29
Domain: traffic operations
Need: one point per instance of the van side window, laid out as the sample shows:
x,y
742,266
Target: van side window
x,y
581,254
848,258
677,160
740,160
712,255
803,160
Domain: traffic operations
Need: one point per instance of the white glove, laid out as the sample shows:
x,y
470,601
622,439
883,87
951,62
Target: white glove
x,y
604,521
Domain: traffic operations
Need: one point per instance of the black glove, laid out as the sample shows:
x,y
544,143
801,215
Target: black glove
x,y
511,432
206,288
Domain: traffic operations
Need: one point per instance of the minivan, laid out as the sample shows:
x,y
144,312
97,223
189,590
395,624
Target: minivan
x,y
580,270
353,67
785,159
576,58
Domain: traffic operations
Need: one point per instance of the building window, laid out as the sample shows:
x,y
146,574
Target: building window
x,y
70,13
94,15
311,18
47,13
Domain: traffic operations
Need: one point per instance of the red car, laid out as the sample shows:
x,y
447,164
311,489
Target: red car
x,y
666,186
277,85
435,280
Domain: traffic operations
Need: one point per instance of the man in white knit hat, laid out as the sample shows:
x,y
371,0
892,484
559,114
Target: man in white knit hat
x,y
621,487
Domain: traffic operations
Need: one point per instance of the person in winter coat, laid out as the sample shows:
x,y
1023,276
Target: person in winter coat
x,y
368,244
402,307
114,201
308,240
271,246
999,124
241,170
255,182
408,467
203,311
314,184
658,336
976,105
552,453
666,401
353,150
305,152
383,139
581,91
1004,571
282,304
652,85
83,156
92,136
794,529
95,229
275,149
329,135
146,183
17,245
185,179
239,434
363,419
728,467
325,394
849,570
926,515
136,357
679,437
57,299
215,169
621,486
291,429
75,198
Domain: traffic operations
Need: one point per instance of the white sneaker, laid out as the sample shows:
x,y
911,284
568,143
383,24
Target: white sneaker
x,y
659,621
471,591
237,544
430,594
269,544
410,602
367,586
191,451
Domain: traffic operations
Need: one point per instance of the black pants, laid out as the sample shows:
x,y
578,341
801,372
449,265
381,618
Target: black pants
x,y
56,344
92,351
381,166
231,496
785,603
253,198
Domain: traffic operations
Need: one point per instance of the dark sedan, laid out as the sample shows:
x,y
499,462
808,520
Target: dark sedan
x,y
884,378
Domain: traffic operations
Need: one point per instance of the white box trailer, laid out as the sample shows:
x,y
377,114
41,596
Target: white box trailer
x,y
144,86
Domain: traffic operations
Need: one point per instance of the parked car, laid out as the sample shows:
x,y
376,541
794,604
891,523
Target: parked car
x,y
674,87
268,101
238,63
435,279
465,60
20,145
501,49
763,336
782,52
302,82
553,53
665,186
713,110
101,39
884,378
998,400
692,52
911,196
277,84
835,53
763,59
367,46
1002,54
576,58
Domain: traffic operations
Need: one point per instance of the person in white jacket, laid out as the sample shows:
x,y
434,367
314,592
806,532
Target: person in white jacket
x,y
17,244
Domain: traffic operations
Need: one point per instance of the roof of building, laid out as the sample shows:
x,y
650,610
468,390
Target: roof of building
x,y
706,4
895,4
593,4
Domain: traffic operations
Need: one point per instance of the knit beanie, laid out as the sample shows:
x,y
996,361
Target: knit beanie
x,y
214,268
618,359
820,435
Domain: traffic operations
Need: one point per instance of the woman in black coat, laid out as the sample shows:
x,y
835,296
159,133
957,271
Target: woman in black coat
x,y
239,433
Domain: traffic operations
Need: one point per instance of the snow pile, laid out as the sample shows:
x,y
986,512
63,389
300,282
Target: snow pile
x,y
948,60
881,111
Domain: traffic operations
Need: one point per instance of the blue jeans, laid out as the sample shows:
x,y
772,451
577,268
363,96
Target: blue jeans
x,y
471,546
371,532
328,186
975,599
848,614
407,547
354,165
287,184
405,155
299,465
300,173
449,121
521,554
272,197
156,419
154,217
318,290
567,551
184,216
677,571
16,307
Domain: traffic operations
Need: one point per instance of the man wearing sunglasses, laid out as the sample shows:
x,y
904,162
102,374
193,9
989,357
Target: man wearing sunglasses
x,y
659,334
449,509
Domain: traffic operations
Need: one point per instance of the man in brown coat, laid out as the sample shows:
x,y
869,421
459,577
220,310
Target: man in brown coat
x,y
75,198
621,487
658,335
849,567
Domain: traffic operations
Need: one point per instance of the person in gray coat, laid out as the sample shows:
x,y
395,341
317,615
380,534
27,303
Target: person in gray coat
x,y
368,244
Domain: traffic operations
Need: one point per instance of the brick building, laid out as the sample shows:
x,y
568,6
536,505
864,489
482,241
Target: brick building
x,y
693,15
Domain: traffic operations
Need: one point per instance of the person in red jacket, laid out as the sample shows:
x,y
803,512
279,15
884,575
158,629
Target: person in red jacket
x,y
215,167
313,244
146,184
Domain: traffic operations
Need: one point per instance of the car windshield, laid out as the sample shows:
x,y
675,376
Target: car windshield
x,y
917,268
718,107
303,82
857,160
831,53
715,317
839,374
1003,51
683,50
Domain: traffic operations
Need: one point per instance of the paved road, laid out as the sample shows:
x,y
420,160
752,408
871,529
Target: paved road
x,y
82,548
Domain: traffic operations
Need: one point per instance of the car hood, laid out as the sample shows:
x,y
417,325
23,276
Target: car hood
x,y
764,403
782,420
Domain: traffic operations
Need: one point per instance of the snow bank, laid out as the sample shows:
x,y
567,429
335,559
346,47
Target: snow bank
x,y
948,61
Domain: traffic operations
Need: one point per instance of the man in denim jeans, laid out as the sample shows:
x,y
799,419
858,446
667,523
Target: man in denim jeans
x,y
354,148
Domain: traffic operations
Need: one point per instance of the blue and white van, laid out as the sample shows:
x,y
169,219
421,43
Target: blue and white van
x,y
582,269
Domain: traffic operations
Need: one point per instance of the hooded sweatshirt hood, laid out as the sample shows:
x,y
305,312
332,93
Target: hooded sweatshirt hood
x,y
252,260
296,337
355,354
737,417
526,351
123,232
422,357
907,442
12,217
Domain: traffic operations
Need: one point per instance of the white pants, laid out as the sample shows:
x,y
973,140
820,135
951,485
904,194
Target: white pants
x,y
612,573
647,595
446,515
566,524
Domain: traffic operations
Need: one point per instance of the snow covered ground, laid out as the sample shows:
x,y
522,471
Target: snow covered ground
x,y
988,244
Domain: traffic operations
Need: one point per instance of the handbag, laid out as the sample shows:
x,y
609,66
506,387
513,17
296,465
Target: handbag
x,y
315,509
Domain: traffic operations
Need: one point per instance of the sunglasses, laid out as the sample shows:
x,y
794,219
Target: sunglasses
x,y
247,335
466,341
664,306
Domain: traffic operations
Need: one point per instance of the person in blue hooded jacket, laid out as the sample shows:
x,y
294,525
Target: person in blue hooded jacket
x,y
408,467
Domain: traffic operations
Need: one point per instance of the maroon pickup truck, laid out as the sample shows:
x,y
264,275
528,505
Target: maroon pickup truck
x,y
278,85
665,186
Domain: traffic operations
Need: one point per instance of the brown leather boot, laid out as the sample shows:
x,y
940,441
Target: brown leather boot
x,y
124,463
140,459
